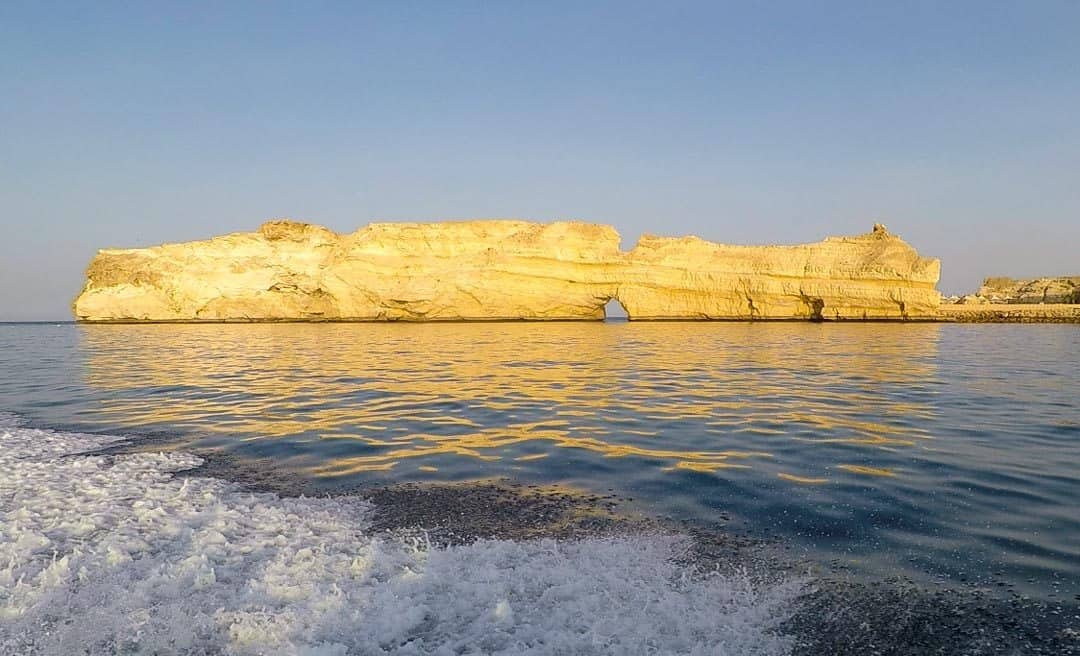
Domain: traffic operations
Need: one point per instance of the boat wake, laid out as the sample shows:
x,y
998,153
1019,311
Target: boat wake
x,y
107,554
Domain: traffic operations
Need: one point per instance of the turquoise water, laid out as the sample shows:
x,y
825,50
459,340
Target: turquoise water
x,y
944,452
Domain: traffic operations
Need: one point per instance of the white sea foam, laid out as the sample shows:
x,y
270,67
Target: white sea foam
x,y
107,555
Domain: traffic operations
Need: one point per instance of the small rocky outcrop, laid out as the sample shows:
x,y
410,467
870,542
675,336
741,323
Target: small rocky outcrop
x,y
1063,289
492,270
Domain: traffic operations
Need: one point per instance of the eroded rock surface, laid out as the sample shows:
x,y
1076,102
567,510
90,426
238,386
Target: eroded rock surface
x,y
477,270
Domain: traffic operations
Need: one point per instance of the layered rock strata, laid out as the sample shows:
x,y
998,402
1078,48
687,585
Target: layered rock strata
x,y
491,270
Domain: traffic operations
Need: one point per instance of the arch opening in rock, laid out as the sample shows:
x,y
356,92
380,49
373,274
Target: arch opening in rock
x,y
614,311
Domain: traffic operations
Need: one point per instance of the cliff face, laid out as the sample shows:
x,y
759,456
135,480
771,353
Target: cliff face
x,y
1065,289
872,276
502,270
409,271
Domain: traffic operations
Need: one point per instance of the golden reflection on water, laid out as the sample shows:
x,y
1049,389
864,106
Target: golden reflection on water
x,y
867,471
698,397
802,479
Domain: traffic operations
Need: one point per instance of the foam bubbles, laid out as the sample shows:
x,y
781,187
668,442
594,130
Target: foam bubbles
x,y
116,554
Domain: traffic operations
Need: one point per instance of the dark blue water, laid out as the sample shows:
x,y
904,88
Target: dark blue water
x,y
946,452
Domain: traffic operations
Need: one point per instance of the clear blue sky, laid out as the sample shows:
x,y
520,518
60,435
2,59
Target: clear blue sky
x,y
955,123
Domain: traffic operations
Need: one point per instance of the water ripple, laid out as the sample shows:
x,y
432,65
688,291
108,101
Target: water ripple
x,y
928,449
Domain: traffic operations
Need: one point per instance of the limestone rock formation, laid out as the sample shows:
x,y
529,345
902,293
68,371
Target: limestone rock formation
x,y
410,271
872,276
1064,289
477,270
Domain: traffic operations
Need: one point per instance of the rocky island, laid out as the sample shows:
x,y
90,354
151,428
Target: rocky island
x,y
503,270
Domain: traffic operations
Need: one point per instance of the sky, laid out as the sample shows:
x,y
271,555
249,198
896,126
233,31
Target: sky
x,y
131,124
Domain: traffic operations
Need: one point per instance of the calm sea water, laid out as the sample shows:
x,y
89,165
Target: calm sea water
x,y
948,452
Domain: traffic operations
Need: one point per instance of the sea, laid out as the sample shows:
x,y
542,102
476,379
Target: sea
x,y
943,458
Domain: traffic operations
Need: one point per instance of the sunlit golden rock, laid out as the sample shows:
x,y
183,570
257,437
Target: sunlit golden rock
x,y
489,270
872,276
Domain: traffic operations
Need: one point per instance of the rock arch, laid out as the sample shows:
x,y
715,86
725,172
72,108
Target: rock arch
x,y
614,309
500,270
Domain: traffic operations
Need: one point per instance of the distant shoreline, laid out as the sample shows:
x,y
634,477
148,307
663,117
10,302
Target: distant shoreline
x,y
1011,313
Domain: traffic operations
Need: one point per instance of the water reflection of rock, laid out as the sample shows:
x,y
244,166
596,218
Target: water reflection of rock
x,y
342,399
